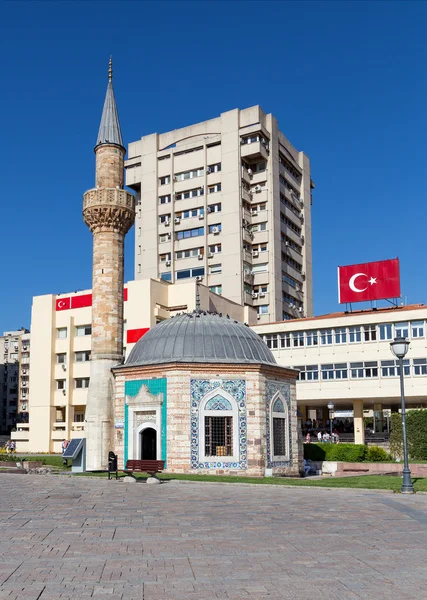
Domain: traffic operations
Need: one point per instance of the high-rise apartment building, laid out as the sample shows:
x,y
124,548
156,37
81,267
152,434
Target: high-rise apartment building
x,y
14,378
227,202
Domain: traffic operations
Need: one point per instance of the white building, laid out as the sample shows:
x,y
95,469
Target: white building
x,y
228,201
346,358
14,378
61,350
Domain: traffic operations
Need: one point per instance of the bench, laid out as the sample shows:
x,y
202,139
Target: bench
x,y
151,467
355,471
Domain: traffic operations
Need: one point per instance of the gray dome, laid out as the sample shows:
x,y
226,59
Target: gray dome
x,y
200,337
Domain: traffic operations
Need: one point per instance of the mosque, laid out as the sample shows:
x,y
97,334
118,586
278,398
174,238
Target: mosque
x,y
200,391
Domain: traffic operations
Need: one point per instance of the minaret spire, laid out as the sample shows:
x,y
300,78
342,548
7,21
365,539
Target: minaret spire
x,y
109,129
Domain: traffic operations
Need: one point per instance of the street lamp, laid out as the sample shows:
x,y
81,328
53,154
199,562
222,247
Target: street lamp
x,y
331,408
399,346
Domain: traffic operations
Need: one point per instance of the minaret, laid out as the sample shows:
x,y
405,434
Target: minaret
x,y
109,212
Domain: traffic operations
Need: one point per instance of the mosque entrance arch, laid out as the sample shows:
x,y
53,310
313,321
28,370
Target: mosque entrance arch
x,y
148,444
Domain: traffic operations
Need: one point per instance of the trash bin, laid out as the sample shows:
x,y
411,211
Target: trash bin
x,y
112,464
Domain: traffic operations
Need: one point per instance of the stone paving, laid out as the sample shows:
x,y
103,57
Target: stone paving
x,y
71,538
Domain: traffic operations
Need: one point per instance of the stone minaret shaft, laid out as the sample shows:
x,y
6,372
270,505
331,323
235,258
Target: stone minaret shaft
x,y
109,212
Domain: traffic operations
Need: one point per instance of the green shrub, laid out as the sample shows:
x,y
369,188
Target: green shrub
x,y
335,452
376,454
416,430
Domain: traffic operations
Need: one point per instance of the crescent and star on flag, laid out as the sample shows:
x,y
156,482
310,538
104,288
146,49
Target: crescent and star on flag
x,y
352,282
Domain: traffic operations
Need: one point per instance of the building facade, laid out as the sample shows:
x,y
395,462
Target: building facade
x,y
62,344
226,201
14,378
346,358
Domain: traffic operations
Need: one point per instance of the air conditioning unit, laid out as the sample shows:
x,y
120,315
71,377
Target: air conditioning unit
x,y
208,170
300,309
258,189
303,275
64,367
201,217
254,213
258,317
25,347
169,236
168,263
255,253
254,296
199,278
215,230
177,220
287,244
24,372
64,392
175,178
200,256
262,295
210,255
250,172
167,223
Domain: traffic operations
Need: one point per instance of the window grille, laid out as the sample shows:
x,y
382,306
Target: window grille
x,y
218,436
279,436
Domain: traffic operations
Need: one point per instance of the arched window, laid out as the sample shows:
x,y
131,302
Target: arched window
x,y
279,446
218,429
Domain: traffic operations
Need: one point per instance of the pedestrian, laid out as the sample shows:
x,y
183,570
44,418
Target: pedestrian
x,y
308,438
12,446
7,446
319,436
64,447
307,468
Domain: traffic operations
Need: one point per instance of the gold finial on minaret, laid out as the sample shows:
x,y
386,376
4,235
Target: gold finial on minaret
x,y
110,69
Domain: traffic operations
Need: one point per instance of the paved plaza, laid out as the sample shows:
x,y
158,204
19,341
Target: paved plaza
x,y
71,538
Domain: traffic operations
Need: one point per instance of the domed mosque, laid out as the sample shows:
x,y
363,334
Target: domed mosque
x,y
203,392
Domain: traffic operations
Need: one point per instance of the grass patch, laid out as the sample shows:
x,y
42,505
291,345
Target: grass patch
x,y
371,482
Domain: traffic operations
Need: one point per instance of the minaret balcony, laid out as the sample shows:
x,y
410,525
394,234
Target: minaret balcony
x,y
109,208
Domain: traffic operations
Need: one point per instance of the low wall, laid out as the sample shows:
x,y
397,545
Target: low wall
x,y
339,469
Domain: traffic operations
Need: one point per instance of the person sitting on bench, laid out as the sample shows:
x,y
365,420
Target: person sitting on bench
x,y
307,468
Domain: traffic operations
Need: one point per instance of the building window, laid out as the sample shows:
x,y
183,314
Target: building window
x,y
165,180
420,366
390,368
165,257
261,268
61,333
298,338
212,189
417,329
188,214
369,333
258,227
326,337
215,269
165,237
186,273
340,335
262,309
165,199
334,371
355,334
189,233
189,194
164,218
272,340
401,330
61,359
167,276
218,436
79,417
81,382
308,373
386,331
287,279
60,384
214,208
215,248
279,430
285,340
216,289
83,330
188,253
215,228
82,356
360,370
188,174
216,168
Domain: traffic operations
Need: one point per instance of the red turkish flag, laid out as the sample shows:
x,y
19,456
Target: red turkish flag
x,y
369,281
81,301
63,304
133,335
125,294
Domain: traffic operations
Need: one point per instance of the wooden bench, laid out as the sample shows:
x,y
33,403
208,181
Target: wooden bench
x,y
151,467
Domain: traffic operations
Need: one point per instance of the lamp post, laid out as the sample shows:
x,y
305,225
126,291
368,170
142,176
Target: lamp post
x,y
399,346
331,408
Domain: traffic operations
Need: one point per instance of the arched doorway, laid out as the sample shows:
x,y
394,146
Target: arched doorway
x,y
148,444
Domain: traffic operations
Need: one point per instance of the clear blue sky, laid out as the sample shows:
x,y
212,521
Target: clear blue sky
x,y
346,80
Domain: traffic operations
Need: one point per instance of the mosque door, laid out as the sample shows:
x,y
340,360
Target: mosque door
x,y
148,444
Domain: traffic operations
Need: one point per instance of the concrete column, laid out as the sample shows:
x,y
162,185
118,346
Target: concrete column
x,y
378,418
359,422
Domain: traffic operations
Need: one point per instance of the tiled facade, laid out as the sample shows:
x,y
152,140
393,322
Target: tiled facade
x,y
171,400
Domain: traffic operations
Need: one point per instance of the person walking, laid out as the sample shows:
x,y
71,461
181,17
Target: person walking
x,y
64,447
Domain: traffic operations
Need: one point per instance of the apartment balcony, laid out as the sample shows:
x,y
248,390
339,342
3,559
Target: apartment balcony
x,y
246,195
22,434
247,299
254,150
292,253
161,313
297,275
25,361
261,278
246,176
260,177
291,234
248,236
260,257
247,256
292,180
248,277
259,216
77,426
58,433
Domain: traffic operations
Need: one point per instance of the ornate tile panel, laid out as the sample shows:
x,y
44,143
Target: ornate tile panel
x,y
237,389
285,390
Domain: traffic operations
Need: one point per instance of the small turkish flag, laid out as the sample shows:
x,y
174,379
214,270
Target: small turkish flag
x,y
369,281
63,304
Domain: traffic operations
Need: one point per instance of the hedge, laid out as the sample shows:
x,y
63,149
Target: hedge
x,y
345,453
416,431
